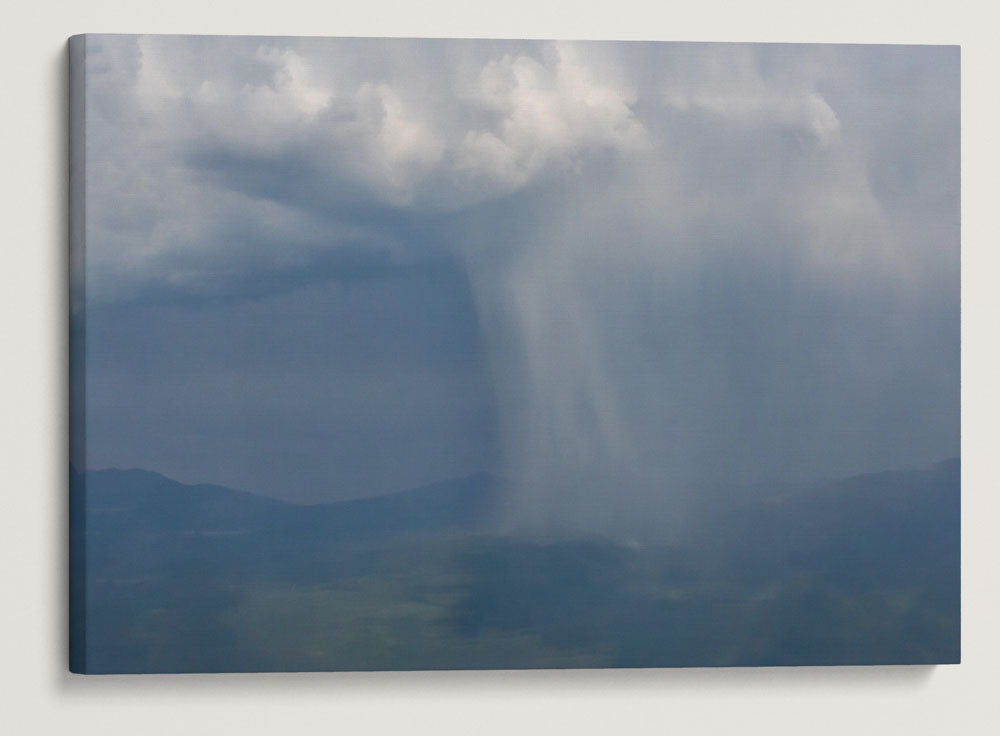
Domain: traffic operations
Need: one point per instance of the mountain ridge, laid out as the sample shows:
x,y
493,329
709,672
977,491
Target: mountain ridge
x,y
124,497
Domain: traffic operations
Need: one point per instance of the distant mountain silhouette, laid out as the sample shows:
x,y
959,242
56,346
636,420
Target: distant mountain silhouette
x,y
894,526
121,501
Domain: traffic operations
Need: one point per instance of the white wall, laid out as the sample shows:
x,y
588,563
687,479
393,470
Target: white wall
x,y
38,696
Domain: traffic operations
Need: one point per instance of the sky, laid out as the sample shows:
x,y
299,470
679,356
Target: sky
x,y
606,272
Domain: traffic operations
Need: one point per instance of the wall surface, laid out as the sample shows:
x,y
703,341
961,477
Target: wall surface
x,y
40,696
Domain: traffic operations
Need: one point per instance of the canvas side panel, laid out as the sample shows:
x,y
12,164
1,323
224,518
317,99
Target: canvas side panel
x,y
77,354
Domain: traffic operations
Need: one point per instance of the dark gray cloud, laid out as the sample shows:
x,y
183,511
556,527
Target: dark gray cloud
x,y
609,272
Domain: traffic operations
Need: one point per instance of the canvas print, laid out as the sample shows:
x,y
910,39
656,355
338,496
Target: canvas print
x,y
413,354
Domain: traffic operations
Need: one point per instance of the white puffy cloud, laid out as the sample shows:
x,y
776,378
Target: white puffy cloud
x,y
546,115
520,114
171,121
195,144
733,82
399,149
806,111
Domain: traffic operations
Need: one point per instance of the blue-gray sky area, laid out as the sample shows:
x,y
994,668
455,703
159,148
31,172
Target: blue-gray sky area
x,y
606,272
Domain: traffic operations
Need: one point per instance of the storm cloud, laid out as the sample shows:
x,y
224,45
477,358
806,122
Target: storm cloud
x,y
610,273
